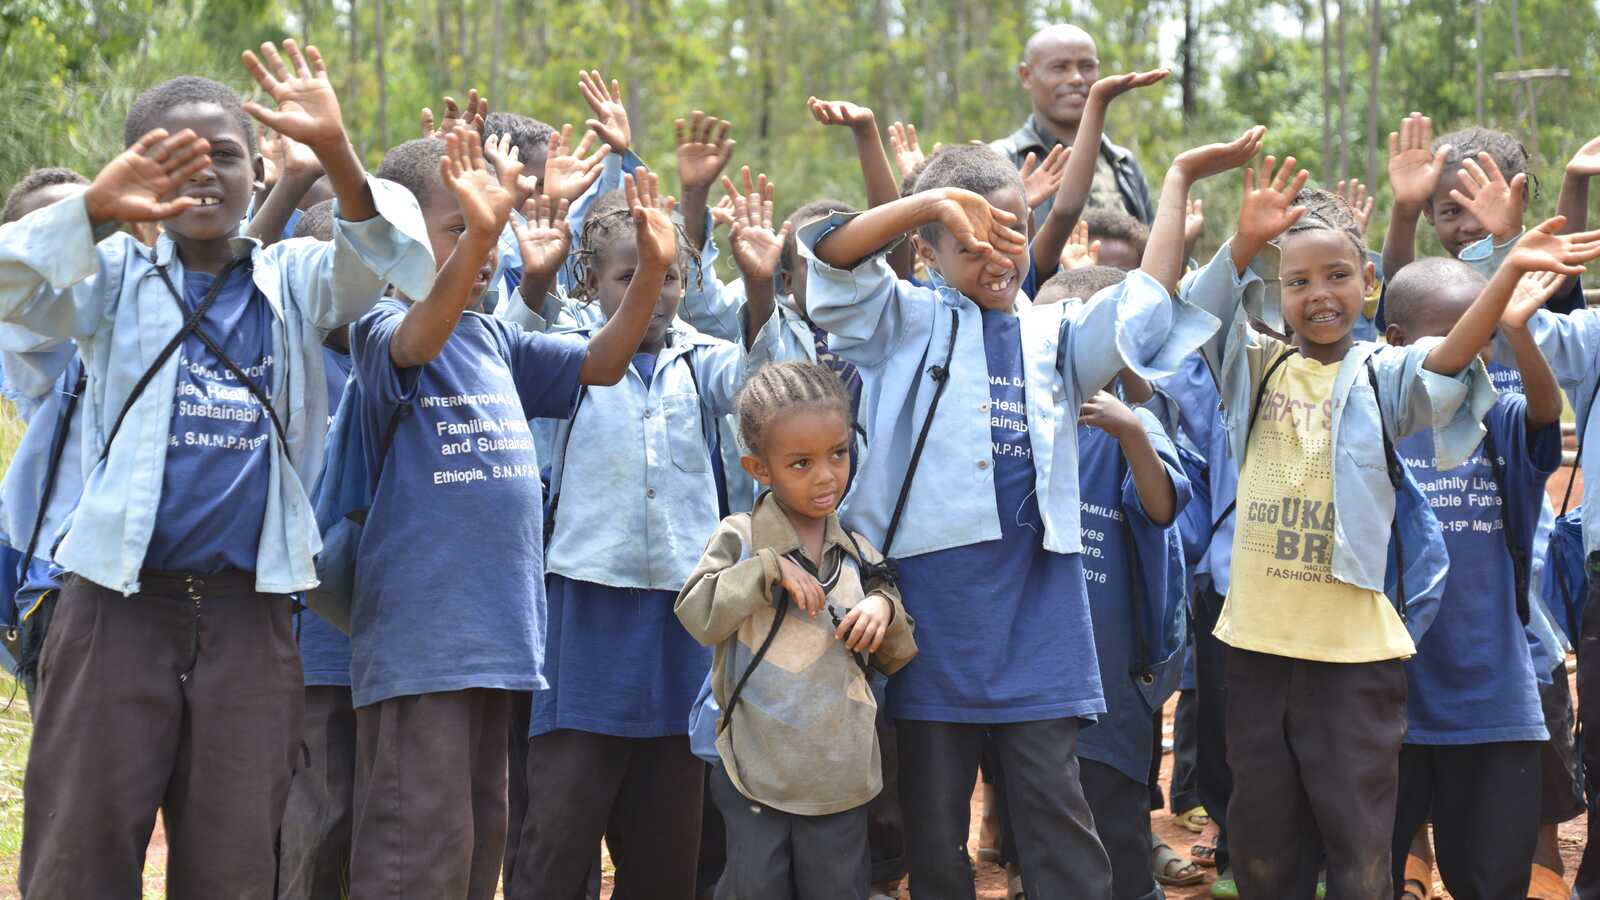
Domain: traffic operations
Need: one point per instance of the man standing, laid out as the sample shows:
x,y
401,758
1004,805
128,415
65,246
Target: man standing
x,y
1058,67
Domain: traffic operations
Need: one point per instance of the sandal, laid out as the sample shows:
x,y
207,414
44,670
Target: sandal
x,y
1225,888
1419,880
1014,889
1194,820
1547,884
1162,860
1204,854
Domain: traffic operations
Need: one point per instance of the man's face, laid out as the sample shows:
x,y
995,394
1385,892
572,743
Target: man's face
x,y
1057,74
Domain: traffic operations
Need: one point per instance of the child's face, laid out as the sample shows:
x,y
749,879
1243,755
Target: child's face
x,y
805,459
446,223
609,280
963,269
1118,253
1456,227
224,187
533,164
1324,285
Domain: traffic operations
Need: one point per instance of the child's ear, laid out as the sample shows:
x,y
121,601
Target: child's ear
x,y
1427,211
924,252
755,468
1394,335
259,167
1369,277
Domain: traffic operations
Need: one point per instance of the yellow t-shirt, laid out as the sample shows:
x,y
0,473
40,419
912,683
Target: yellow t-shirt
x,y
1283,598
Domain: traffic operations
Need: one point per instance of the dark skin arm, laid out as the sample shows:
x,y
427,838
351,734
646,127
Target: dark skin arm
x,y
975,224
757,249
704,149
612,347
298,169
882,187
1150,478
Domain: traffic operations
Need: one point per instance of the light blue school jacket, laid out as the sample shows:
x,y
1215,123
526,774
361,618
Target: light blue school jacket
x,y
56,281
894,331
1413,399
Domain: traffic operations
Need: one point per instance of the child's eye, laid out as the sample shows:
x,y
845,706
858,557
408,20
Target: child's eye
x,y
800,464
841,454
1297,282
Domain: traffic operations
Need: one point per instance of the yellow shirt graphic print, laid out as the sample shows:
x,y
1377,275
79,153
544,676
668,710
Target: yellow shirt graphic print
x,y
1283,598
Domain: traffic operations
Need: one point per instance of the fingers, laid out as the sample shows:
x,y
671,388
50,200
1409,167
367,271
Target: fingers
x,y
1281,180
298,61
258,71
275,62
1394,141
911,136
1028,164
1299,181
1057,160
319,66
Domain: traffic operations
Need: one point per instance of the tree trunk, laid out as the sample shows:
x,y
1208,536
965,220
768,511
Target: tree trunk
x,y
308,12
461,43
383,89
1374,73
1477,31
1327,99
494,57
355,54
441,40
1190,80
1344,100
1530,100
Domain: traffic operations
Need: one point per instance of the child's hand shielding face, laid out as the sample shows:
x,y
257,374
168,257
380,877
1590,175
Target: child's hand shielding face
x,y
140,184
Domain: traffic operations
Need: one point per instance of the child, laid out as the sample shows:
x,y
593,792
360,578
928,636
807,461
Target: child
x,y
1475,729
799,754
193,526
633,501
446,396
1315,709
1019,668
1121,237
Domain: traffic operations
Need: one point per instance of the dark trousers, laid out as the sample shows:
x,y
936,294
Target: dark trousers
x,y
430,816
1185,792
713,844
1213,777
185,697
314,847
1121,808
1560,780
516,777
1055,842
1314,749
642,795
774,855
886,828
1588,883
1483,800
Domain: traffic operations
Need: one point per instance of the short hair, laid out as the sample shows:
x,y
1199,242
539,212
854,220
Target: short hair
x,y
316,222
783,388
609,220
908,182
970,167
528,135
1506,151
1328,211
1407,292
36,180
1079,284
805,215
414,166
181,91
1115,224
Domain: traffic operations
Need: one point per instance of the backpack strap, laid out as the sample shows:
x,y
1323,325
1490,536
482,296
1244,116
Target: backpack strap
x,y
401,410
58,446
1396,480
191,322
1566,499
1255,412
941,378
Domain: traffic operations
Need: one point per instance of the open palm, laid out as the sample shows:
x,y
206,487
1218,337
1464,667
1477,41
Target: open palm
x,y
545,240
307,107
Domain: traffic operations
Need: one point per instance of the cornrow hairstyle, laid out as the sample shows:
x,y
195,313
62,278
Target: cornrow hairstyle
x,y
181,91
316,222
414,166
783,388
801,217
38,179
1409,290
1078,284
970,167
1115,224
1506,151
608,221
1328,211
528,135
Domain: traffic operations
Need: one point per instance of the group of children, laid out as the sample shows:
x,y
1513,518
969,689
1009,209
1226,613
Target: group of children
x,y
409,534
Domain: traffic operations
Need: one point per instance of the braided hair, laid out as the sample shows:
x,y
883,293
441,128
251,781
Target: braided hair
x,y
608,221
782,388
1327,211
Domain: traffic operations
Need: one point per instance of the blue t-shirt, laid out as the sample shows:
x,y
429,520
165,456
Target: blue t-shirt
x,y
1472,680
324,649
450,574
1124,736
214,486
1003,626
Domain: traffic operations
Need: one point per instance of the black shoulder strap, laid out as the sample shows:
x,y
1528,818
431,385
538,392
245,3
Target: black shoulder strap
x,y
1519,557
1255,412
780,600
1583,428
191,321
58,446
941,378
1397,481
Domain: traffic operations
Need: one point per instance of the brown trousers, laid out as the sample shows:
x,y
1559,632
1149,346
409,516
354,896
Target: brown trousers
x,y
430,808
185,697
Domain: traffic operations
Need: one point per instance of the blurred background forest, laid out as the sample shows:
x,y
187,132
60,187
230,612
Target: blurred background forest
x,y
1330,78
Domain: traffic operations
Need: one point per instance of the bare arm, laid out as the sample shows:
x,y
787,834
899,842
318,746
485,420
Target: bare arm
x,y
612,347
1414,170
975,224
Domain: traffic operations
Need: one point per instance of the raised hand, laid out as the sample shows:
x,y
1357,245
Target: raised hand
x,y
1414,166
1111,87
908,153
499,151
610,116
1041,180
569,170
472,116
486,197
703,150
296,161
307,107
1080,253
1194,222
841,112
1533,291
1105,412
757,248
140,184
1355,194
1268,208
545,240
1586,162
722,213
1213,159
652,218
1484,192
1542,249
